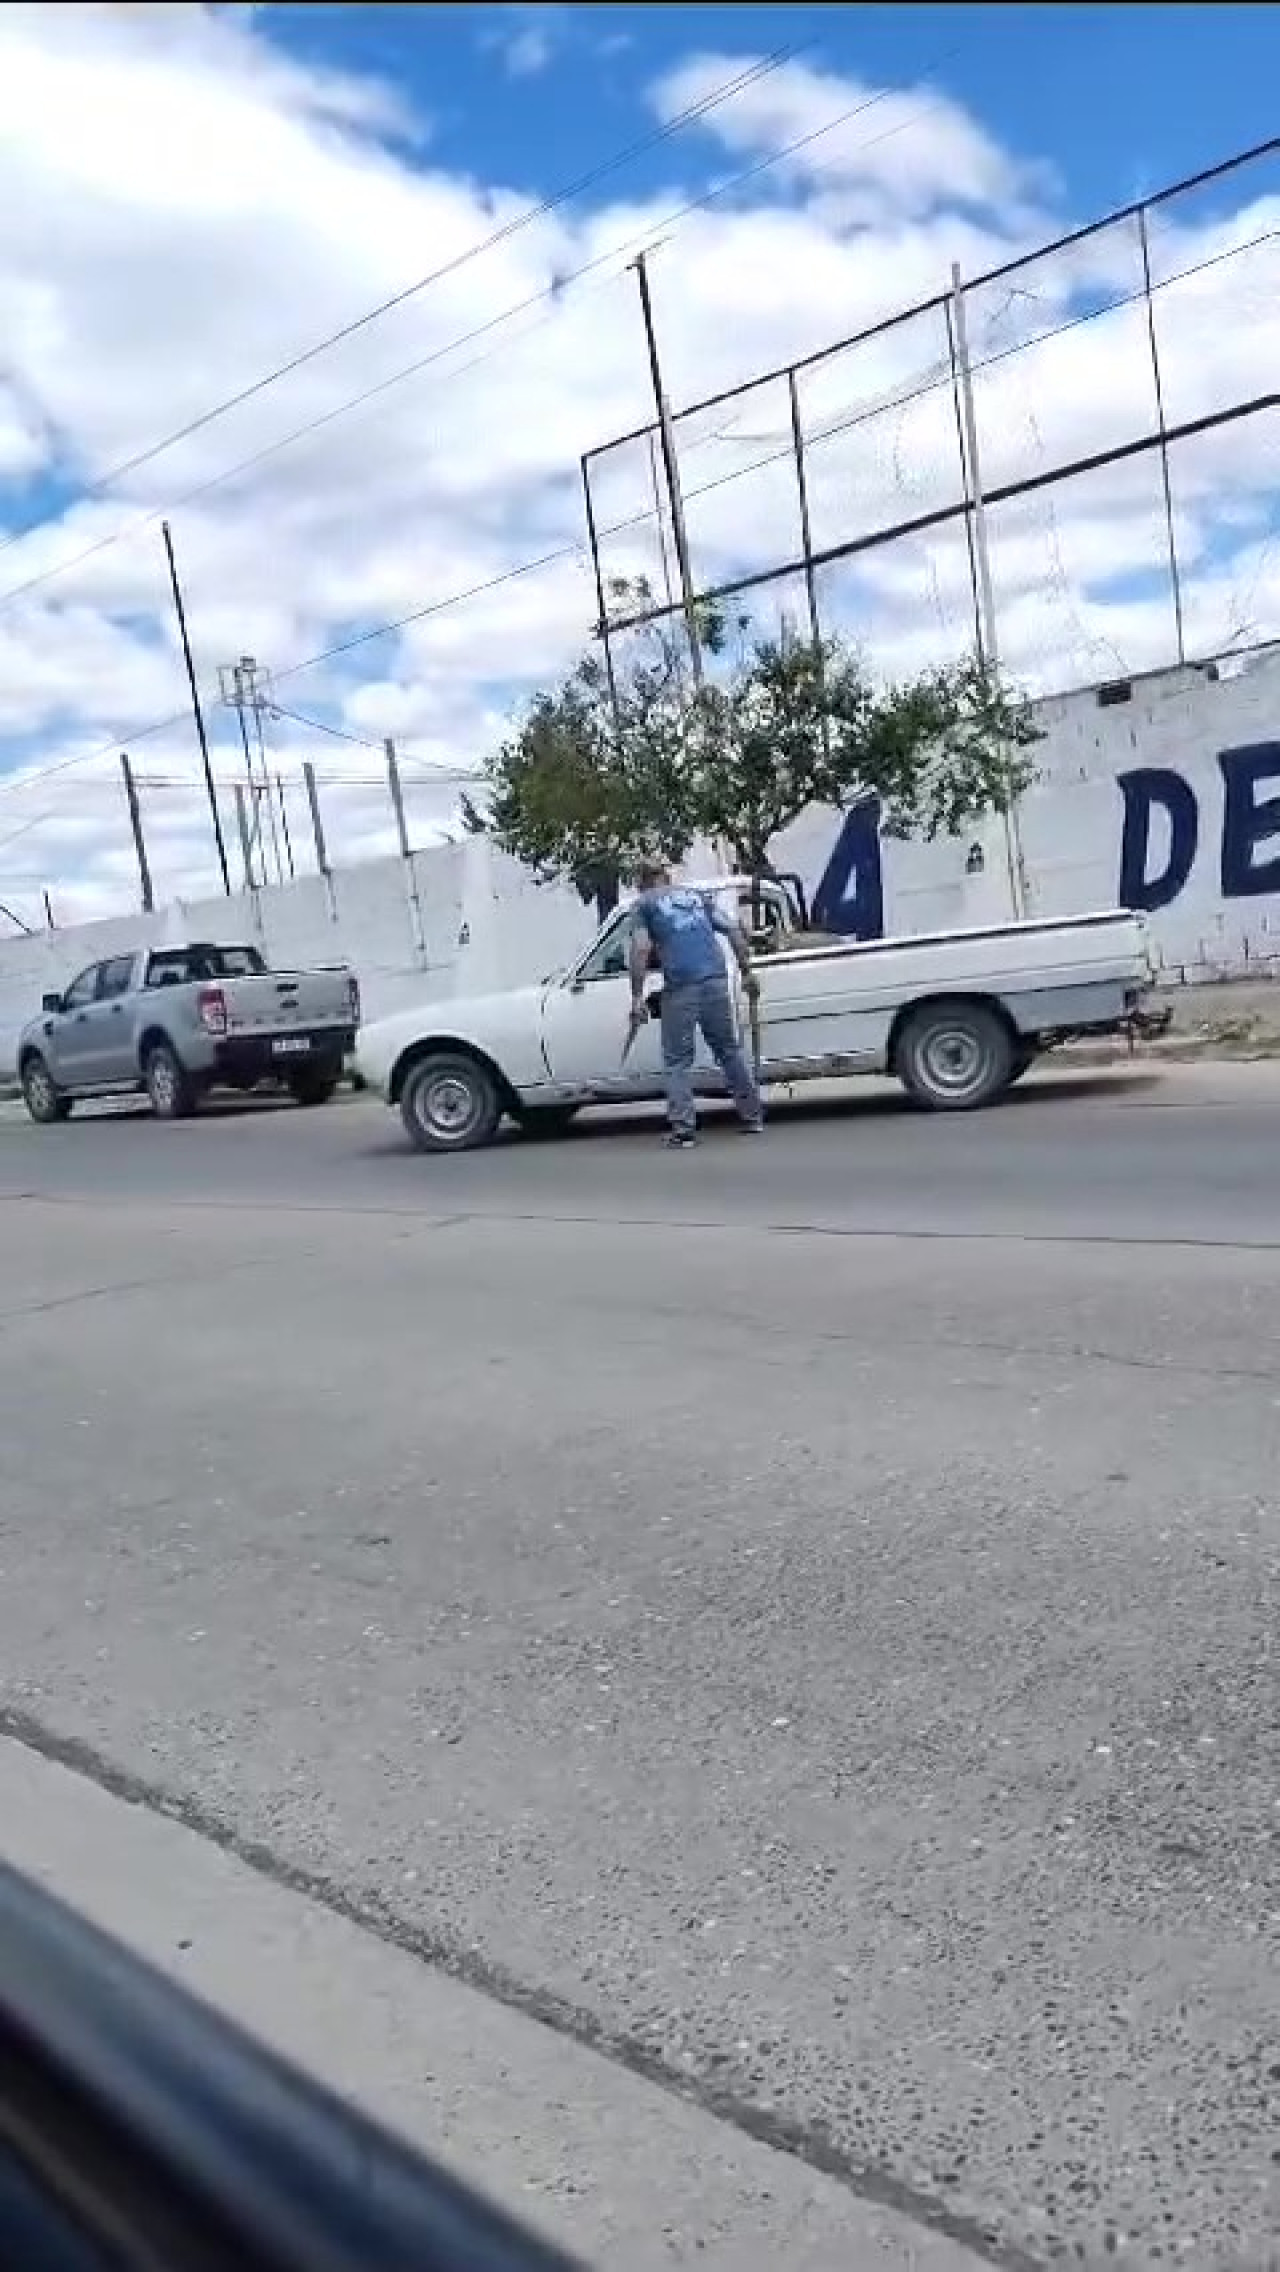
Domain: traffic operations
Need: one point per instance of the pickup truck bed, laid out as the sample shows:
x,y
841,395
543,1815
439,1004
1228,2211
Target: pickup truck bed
x,y
958,1016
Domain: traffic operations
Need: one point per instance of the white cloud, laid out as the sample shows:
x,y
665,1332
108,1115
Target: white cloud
x,y
528,53
182,207
879,146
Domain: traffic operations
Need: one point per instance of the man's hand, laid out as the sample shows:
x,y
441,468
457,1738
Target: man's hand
x,y
639,1014
751,985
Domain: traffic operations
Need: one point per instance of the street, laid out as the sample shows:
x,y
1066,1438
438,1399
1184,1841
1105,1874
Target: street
x,y
798,1617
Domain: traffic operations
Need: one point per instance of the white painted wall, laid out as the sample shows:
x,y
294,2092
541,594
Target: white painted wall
x,y
1180,722
485,923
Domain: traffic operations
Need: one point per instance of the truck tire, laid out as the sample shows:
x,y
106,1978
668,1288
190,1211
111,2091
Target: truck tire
x,y
1024,1057
450,1103
954,1056
169,1085
315,1085
43,1099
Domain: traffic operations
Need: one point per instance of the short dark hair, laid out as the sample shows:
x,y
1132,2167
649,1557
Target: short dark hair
x,y
650,872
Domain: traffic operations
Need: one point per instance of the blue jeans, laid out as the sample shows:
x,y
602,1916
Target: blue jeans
x,y
704,1006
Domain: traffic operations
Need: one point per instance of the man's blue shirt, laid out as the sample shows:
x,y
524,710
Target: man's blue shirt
x,y
683,925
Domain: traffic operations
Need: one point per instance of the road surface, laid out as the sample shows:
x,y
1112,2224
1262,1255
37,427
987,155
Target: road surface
x,y
798,1617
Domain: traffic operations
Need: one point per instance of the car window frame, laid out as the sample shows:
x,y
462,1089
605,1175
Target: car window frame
x,y
89,972
114,962
618,932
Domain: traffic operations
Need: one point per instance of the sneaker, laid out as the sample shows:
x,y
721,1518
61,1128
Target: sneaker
x,y
680,1140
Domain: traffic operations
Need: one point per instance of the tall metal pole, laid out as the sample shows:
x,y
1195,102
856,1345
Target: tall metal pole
x,y
139,841
252,809
246,842
197,711
988,647
593,540
317,822
255,694
806,525
284,824
806,541
412,890
1175,580
948,310
671,469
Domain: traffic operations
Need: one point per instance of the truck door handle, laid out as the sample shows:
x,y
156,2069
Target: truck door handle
x,y
117,1009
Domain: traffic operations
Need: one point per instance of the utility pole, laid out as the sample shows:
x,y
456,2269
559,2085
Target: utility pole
x,y
414,895
671,469
245,687
989,654
139,841
197,711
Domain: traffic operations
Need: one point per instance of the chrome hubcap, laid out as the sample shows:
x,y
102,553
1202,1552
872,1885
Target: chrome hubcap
x,y
952,1059
446,1105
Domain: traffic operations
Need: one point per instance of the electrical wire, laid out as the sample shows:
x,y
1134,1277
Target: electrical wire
x,y
761,69
576,549
930,386
554,292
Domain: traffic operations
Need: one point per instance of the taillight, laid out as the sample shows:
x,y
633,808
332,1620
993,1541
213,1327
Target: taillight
x,y
211,1003
353,1000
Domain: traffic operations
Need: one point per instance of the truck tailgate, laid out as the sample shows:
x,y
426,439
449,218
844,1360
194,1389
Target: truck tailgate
x,y
282,1001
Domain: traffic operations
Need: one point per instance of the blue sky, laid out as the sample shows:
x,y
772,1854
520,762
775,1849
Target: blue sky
x,y
190,196
1121,99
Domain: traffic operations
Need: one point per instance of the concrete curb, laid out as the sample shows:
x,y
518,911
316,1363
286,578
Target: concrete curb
x,y
611,2165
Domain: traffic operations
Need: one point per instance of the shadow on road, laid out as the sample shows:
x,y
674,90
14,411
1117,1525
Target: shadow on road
x,y
797,1108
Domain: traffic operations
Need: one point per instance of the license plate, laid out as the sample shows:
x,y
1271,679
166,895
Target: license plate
x,y
291,1045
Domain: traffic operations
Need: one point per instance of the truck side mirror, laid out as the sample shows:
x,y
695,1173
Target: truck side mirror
x,y
51,1004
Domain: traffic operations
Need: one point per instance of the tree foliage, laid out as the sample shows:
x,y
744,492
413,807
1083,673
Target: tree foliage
x,y
802,723
594,778
582,788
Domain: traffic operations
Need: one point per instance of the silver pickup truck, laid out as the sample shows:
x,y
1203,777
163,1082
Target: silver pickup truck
x,y
177,1021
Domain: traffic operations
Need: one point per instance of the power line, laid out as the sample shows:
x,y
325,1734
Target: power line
x,y
761,69
634,520
553,292
985,363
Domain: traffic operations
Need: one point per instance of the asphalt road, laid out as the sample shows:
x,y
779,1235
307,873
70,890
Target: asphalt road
x,y
802,1615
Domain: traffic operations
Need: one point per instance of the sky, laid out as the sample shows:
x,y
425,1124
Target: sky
x,y
192,197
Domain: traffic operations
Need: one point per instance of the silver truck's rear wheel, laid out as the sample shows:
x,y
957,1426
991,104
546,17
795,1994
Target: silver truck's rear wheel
x,y
954,1056
450,1104
169,1085
43,1099
315,1084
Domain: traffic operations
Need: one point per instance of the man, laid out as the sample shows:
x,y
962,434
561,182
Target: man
x,y
682,929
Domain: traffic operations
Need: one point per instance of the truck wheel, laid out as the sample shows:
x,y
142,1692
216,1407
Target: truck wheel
x,y
169,1085
43,1100
1023,1060
315,1086
544,1120
953,1057
450,1104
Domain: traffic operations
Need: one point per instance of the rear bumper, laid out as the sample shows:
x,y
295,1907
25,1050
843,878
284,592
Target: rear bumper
x,y
261,1057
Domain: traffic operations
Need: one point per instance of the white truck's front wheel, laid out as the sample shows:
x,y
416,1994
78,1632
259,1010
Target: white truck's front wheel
x,y
449,1104
954,1056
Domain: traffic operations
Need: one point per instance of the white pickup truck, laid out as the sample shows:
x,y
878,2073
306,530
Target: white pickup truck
x,y
958,1016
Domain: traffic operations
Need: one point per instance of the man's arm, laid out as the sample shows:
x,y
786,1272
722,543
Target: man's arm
x,y
638,964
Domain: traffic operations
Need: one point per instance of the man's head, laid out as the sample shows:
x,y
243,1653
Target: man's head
x,y
652,874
